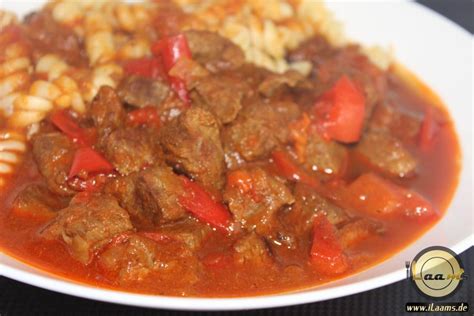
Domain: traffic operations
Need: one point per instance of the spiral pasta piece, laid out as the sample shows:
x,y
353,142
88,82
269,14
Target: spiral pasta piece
x,y
12,148
58,91
15,65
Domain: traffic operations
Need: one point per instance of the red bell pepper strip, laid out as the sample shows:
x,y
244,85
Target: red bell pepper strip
x,y
428,129
341,112
326,254
171,49
149,67
88,160
198,202
65,123
147,115
62,120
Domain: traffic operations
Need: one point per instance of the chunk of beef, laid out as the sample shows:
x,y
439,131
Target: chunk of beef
x,y
130,259
255,206
401,125
38,202
123,189
214,51
316,50
252,250
275,83
107,111
158,190
140,91
220,94
188,70
357,231
387,153
87,224
134,257
300,217
131,149
327,158
258,129
48,36
189,231
192,144
53,153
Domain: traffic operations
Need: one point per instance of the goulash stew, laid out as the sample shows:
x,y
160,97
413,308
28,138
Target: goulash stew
x,y
202,174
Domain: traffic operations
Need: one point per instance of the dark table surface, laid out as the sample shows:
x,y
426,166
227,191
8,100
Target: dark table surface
x,y
21,299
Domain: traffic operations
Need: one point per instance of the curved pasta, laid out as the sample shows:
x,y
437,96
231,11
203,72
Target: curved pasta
x,y
12,147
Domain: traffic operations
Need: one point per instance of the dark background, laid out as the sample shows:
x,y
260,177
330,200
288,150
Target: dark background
x,y
21,299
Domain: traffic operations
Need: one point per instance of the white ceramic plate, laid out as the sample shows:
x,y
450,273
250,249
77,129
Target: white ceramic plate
x,y
435,49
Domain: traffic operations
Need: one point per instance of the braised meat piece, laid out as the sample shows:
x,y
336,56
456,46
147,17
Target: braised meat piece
x,y
141,91
53,153
258,129
87,224
131,149
191,144
134,257
252,250
37,201
387,153
123,189
158,190
317,50
403,126
214,51
299,218
254,196
357,231
130,258
188,231
327,158
106,111
220,94
276,83
48,36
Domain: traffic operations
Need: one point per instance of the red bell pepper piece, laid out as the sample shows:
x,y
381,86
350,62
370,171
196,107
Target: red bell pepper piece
x,y
62,120
149,67
66,124
341,112
171,49
198,202
147,115
89,160
326,254
428,129
378,197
